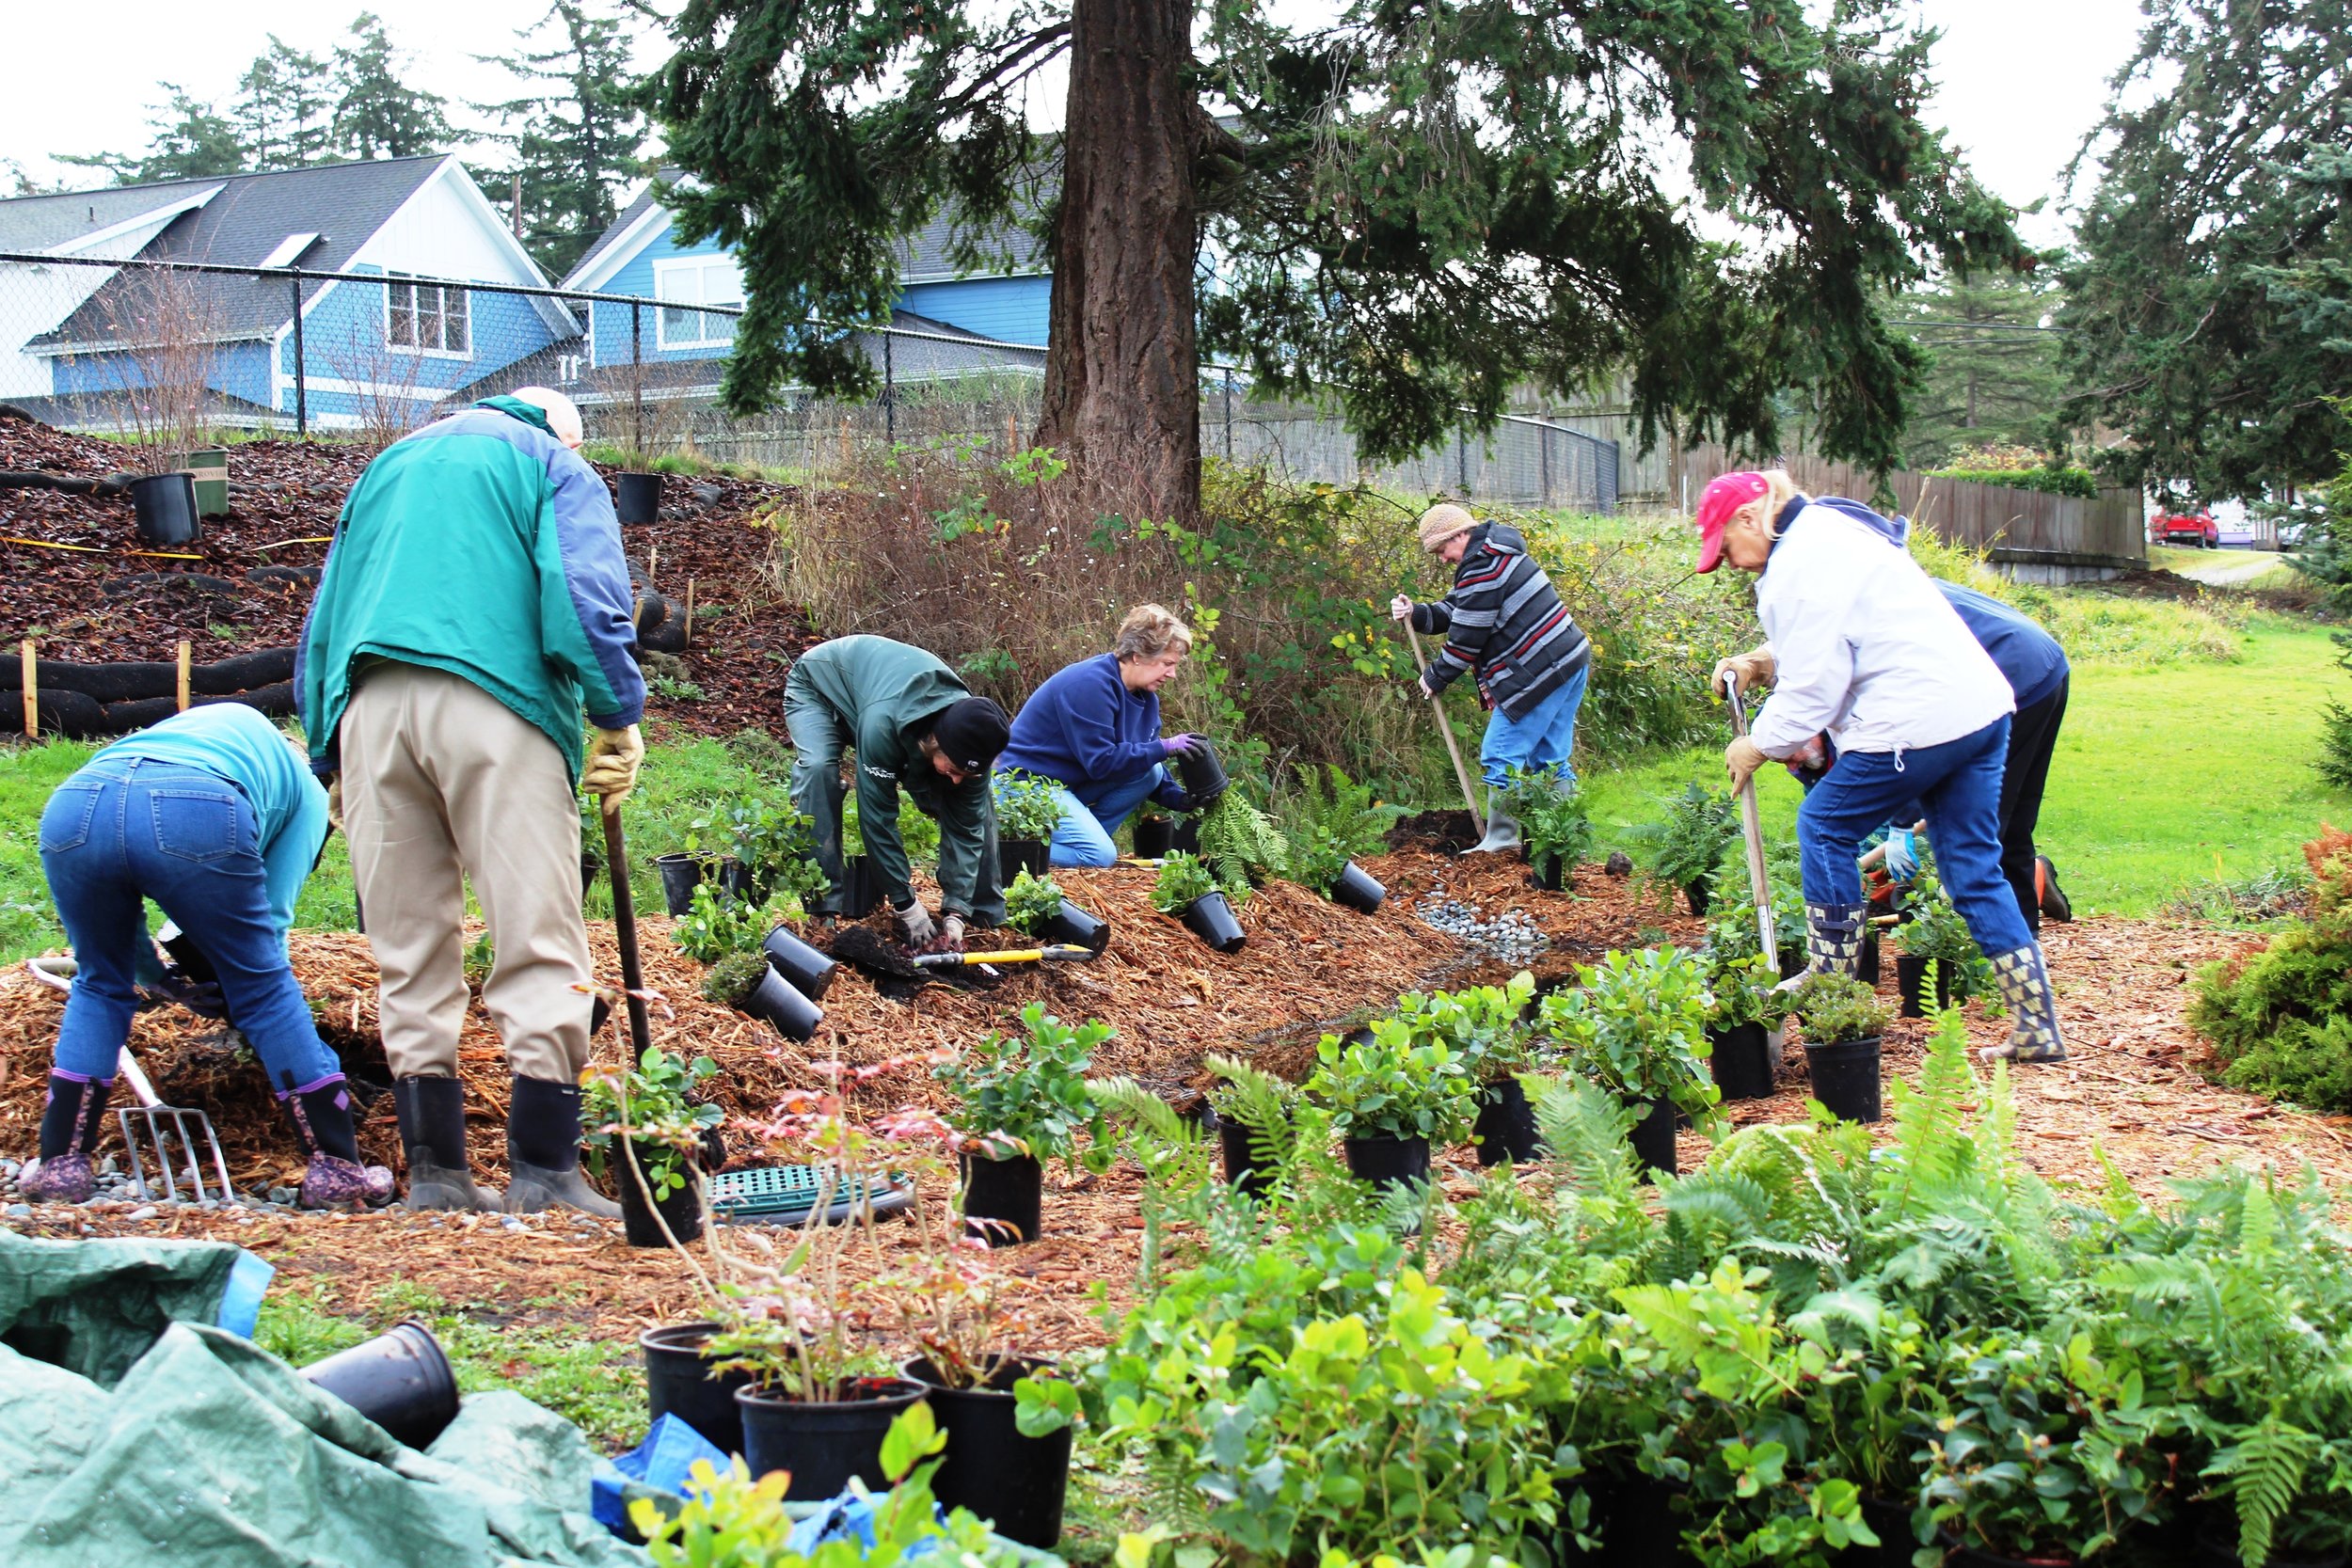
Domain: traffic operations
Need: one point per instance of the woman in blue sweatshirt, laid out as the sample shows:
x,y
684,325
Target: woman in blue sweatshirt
x,y
215,816
1094,729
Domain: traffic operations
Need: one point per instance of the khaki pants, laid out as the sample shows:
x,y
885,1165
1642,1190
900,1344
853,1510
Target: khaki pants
x,y
440,778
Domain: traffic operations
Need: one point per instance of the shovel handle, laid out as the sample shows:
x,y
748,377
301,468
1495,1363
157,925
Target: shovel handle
x,y
1752,828
625,933
137,1077
1445,727
1065,952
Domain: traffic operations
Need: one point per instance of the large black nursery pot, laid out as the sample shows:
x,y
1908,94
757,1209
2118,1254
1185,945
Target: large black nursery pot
x,y
1866,968
1016,855
681,874
1155,837
1793,961
1358,889
1239,1143
1845,1077
1203,774
860,889
682,1211
1698,895
1653,1136
1550,871
1017,1483
1209,917
1077,927
637,498
1911,983
1387,1162
1505,1128
795,1016
825,1443
1742,1061
806,970
163,509
682,1380
736,878
401,1381
1004,1200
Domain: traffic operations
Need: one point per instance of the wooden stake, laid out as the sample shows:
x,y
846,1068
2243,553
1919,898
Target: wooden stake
x,y
653,558
32,692
186,658
689,637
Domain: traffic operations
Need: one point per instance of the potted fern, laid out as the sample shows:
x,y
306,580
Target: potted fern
x,y
1186,890
1935,934
1552,821
1687,846
1745,1010
1254,1122
1337,819
1390,1099
1028,809
1021,1100
1844,1023
1637,1026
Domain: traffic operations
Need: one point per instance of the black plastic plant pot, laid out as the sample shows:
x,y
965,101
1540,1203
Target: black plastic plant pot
x,y
1505,1128
1793,961
401,1381
1845,1078
1004,1200
682,1381
825,1443
1697,896
1742,1061
163,509
795,1016
1015,1482
1155,837
1867,966
682,1211
1016,855
859,891
589,866
1359,890
806,970
1388,1161
736,878
1187,835
1211,918
1203,774
1911,980
637,498
1653,1136
681,874
1239,1142
1548,871
1077,927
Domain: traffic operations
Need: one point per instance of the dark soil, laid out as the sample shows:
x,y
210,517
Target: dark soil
x,y
108,600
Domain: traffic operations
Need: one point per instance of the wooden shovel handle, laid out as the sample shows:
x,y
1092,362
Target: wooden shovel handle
x,y
1445,727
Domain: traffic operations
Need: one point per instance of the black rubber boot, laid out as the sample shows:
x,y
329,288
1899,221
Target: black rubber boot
x,y
543,1151
433,1133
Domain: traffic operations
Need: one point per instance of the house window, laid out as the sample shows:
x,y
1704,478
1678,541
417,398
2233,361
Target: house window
x,y
427,318
696,280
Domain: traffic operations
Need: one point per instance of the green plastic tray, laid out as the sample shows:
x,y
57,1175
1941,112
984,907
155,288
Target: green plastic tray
x,y
787,1195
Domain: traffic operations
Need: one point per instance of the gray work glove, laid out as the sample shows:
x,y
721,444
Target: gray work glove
x,y
914,924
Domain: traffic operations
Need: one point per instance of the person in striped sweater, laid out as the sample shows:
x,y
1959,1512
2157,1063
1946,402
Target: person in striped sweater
x,y
1505,623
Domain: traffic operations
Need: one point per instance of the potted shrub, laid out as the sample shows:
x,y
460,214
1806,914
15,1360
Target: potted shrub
x,y
719,928
1554,823
1745,1010
1487,1027
1687,846
1390,1099
648,1135
1637,1026
1021,1100
1154,832
1035,907
1844,1022
1186,890
1028,809
1933,933
820,1396
682,871
1254,1122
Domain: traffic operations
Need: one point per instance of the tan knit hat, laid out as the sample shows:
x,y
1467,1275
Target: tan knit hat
x,y
1441,522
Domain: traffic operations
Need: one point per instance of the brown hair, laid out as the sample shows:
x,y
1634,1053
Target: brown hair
x,y
1149,631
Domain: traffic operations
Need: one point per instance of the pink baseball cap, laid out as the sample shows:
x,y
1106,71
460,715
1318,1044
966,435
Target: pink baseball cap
x,y
1725,494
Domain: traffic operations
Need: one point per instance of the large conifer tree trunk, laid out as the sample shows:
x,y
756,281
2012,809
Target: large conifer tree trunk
x,y
1122,392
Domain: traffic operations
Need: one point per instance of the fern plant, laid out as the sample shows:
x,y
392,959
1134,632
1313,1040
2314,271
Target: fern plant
x,y
1687,846
1330,804
1172,1152
1241,845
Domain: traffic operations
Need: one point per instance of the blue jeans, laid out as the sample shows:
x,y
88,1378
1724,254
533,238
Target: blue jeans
x,y
1093,812
118,833
1958,786
1541,741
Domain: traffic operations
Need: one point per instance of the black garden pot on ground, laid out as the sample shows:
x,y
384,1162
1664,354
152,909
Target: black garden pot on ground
x,y
1186,837
1653,1136
1358,889
1077,927
1505,1128
1866,968
860,890
1239,1142
1911,978
1742,1061
682,1211
682,1381
803,968
1209,917
637,498
400,1380
1698,895
1004,1200
1016,855
1845,1076
823,1443
795,1016
736,878
1015,1482
1550,871
1388,1161
1155,837
163,509
680,875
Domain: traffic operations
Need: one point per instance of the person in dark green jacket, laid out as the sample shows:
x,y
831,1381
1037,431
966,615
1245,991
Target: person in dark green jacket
x,y
916,727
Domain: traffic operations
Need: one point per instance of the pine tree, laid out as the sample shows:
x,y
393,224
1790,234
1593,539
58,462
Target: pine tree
x,y
1422,206
376,115
1993,375
187,141
576,142
284,110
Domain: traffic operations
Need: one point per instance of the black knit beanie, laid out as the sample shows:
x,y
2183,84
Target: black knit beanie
x,y
970,733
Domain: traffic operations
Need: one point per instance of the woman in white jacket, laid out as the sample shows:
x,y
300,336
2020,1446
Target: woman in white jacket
x,y
1867,651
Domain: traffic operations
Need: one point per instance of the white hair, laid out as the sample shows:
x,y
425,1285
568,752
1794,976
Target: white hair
x,y
563,413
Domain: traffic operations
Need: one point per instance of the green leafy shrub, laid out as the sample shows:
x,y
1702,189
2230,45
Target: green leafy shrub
x,y
1637,1026
1390,1087
1027,1093
1687,846
1835,1009
1317,860
775,844
733,976
1028,807
653,1106
1487,1026
1184,881
1550,815
718,924
2281,1018
1742,979
2079,483
1031,901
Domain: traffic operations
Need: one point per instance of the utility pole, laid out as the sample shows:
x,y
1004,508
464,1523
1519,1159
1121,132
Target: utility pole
x,y
515,209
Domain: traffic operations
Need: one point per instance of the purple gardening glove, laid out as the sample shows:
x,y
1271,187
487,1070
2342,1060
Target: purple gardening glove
x,y
1179,745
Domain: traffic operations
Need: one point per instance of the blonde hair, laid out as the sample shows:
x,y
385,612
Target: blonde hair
x,y
1779,490
1149,631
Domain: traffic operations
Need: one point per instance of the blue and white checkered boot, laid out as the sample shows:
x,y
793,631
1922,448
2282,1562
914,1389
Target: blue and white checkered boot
x,y
1833,942
2033,1034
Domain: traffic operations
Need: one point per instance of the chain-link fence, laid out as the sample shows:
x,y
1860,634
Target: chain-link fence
x,y
164,351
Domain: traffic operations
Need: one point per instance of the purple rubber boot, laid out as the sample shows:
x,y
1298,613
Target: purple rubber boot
x,y
321,1113
69,1125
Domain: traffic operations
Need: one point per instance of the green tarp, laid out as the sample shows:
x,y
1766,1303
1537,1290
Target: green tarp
x,y
212,1453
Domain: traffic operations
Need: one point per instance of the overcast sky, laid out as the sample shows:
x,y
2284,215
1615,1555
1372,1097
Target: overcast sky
x,y
2019,81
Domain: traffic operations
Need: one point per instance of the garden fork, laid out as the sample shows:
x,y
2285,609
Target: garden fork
x,y
1754,829
163,1123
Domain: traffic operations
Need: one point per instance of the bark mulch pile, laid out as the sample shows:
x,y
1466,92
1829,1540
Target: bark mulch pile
x,y
105,601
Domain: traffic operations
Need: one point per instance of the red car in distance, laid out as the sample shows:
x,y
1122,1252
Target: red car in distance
x,y
2196,530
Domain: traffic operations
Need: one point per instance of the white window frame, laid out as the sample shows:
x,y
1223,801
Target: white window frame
x,y
443,295
670,279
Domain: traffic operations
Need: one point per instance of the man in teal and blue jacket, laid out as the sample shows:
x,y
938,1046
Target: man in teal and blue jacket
x,y
474,602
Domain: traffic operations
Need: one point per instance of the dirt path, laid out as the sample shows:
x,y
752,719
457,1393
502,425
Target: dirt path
x,y
2231,568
